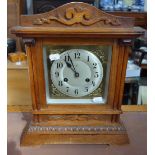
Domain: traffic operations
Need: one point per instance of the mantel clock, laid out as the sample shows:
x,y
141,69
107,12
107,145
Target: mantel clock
x,y
77,58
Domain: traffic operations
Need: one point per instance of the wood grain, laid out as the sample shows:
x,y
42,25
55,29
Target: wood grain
x,y
31,77
41,139
18,88
76,13
28,108
46,5
76,24
113,136
140,17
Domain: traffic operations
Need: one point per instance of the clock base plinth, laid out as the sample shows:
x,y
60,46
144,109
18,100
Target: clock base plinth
x,y
39,135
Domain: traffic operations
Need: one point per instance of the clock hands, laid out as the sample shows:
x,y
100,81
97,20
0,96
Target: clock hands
x,y
68,64
69,58
76,73
71,65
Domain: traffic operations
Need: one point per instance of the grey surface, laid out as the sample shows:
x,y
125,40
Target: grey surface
x,y
135,123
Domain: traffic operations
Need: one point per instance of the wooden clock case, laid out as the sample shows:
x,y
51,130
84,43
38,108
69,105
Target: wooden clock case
x,y
76,24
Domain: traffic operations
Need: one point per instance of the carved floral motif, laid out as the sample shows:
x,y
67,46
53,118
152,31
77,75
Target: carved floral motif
x,y
77,15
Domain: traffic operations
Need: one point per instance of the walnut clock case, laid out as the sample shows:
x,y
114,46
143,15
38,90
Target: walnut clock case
x,y
77,58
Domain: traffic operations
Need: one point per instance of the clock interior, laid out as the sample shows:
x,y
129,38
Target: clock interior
x,y
76,74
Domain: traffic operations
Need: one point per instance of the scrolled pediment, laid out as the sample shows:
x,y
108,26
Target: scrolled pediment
x,y
76,14
76,19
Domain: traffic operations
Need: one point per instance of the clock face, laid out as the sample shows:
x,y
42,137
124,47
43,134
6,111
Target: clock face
x,y
77,73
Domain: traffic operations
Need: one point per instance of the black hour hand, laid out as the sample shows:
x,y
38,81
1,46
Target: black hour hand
x,y
68,64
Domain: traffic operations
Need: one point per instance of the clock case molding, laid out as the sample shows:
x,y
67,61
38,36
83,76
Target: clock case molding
x,y
76,24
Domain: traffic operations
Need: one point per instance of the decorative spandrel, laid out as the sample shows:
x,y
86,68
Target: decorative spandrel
x,y
92,63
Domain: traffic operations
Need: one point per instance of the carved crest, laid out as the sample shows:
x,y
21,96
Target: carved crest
x,y
77,15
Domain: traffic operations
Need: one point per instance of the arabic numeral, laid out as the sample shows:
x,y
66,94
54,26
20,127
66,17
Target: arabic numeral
x,y
86,89
94,65
77,55
66,58
57,74
59,65
88,58
67,89
93,83
60,83
96,75
76,91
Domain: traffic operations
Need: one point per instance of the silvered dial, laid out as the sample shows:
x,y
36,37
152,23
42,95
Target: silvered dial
x,y
77,73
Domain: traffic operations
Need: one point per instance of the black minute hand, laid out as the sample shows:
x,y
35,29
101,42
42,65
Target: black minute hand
x,y
76,73
71,61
